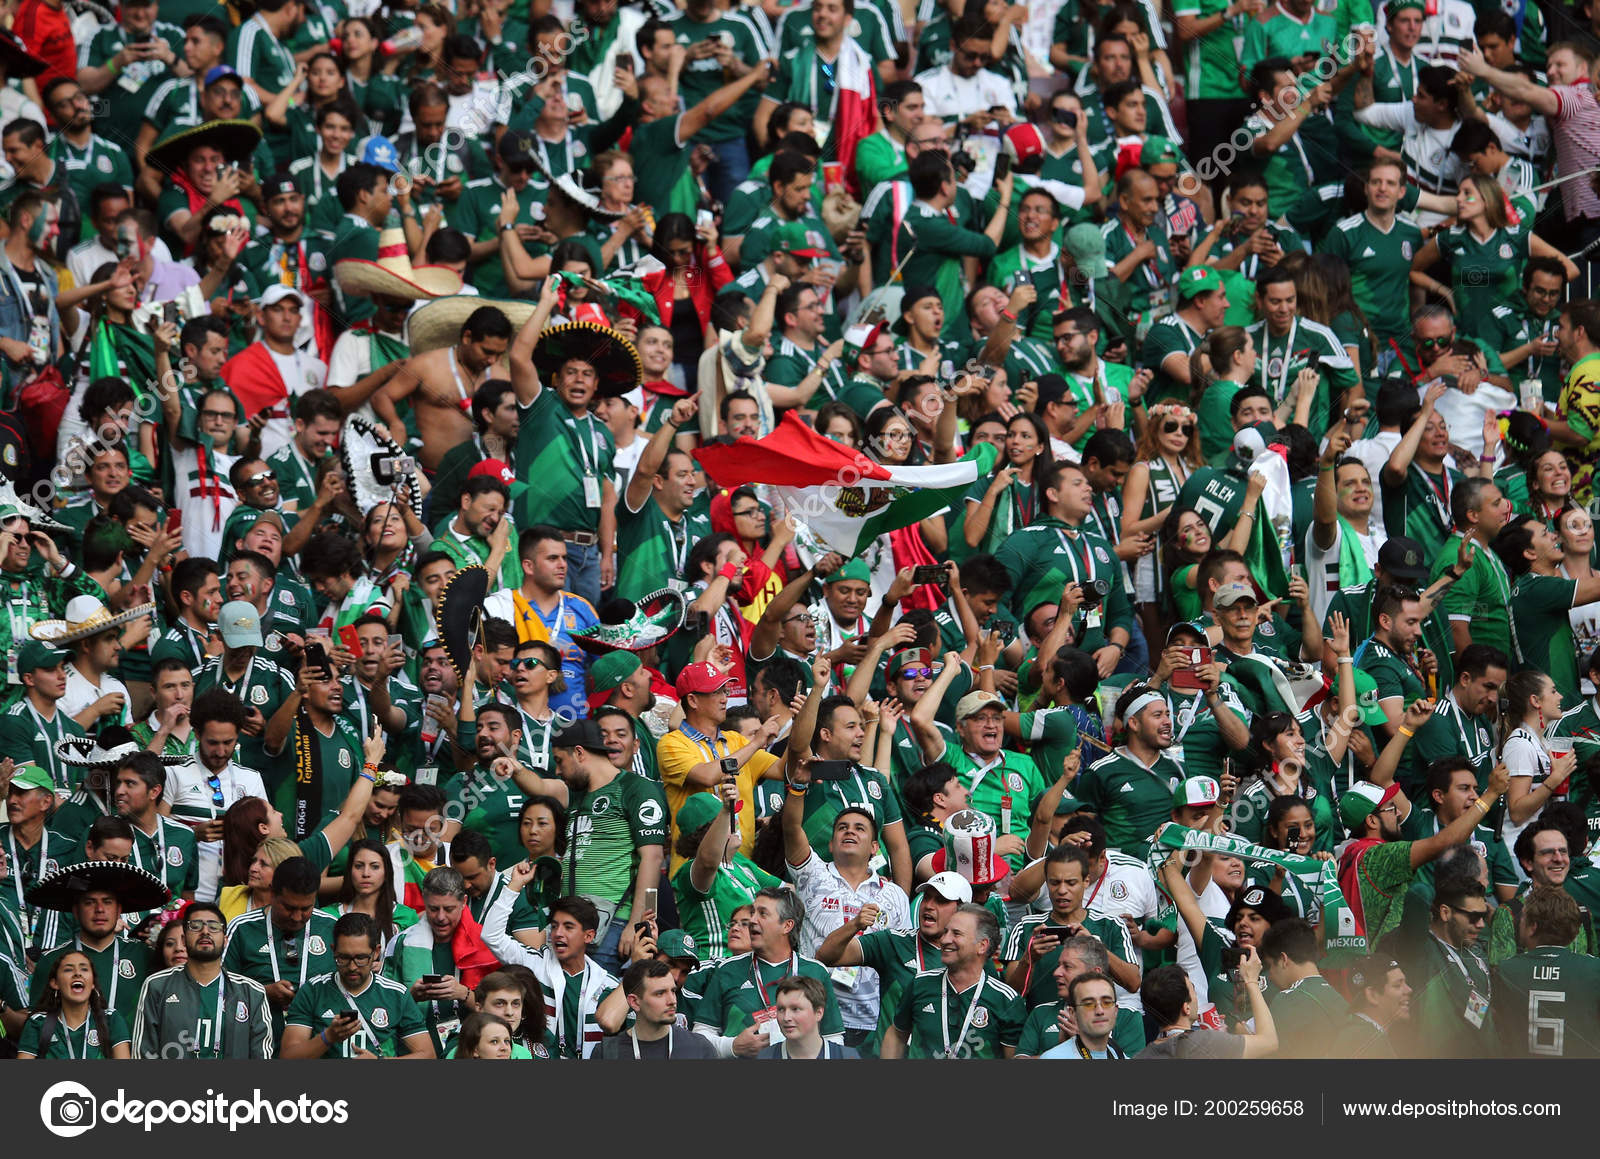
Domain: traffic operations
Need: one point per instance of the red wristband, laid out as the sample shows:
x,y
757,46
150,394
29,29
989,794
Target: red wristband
x,y
729,572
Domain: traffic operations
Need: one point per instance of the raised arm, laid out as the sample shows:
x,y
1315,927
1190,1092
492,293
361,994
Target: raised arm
x,y
1399,464
1511,84
524,378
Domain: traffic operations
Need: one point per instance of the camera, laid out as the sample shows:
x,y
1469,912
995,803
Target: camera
x,y
72,1111
730,766
1095,589
1231,957
1292,837
387,468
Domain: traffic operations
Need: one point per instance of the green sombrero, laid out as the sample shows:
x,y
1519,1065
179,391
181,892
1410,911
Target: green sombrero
x,y
613,357
235,140
633,626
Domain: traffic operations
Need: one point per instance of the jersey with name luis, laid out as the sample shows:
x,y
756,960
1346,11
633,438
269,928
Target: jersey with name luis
x,y
1545,1004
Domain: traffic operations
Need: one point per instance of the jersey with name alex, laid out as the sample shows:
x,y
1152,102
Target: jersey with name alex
x,y
1130,797
977,1023
387,1013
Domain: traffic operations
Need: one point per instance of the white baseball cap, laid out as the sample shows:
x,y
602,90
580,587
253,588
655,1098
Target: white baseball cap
x,y
949,885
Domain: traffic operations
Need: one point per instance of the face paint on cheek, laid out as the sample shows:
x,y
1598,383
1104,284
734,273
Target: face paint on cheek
x,y
38,230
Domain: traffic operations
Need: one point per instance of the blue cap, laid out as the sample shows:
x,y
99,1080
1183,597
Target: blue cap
x,y
380,151
218,71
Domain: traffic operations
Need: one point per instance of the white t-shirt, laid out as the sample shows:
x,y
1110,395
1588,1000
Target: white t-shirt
x,y
830,902
1322,567
1524,755
1214,904
1585,619
1374,453
300,372
205,507
80,694
625,460
189,793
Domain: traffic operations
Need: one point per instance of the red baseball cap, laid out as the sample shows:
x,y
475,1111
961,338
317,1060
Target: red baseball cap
x,y
495,469
701,677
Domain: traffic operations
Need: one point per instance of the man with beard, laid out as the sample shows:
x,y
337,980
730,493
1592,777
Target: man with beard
x,y
355,1012
442,391
198,1009
1544,852
1093,380
161,845
310,738
616,836
86,158
201,791
652,994
1380,1001
656,525
1376,866
1131,788
1452,979
480,533
1543,1000
288,250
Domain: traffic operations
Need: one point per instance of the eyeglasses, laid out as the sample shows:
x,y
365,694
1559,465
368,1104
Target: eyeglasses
x,y
219,414
352,959
1475,916
1390,809
1068,336
1108,1002
261,477
619,177
526,662
748,513
1171,426
201,926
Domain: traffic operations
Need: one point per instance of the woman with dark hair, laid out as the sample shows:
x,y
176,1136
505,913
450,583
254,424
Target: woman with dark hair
x,y
484,1036
695,271
513,994
71,1020
1323,294
324,89
1290,825
769,560
1549,485
1167,452
1529,703
250,822
390,535
381,95
1525,438
437,25
1006,501
838,422
542,831
1275,765
368,888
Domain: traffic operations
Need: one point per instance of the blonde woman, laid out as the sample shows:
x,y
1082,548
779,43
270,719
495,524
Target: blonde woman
x,y
1166,454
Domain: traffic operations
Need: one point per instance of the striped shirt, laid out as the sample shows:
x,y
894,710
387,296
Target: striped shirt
x,y
1577,140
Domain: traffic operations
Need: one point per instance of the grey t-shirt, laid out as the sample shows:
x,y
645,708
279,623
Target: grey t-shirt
x,y
1196,1043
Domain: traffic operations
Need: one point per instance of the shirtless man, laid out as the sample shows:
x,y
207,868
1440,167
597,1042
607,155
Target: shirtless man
x,y
442,382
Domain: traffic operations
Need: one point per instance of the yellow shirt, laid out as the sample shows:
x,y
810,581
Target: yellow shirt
x,y
678,752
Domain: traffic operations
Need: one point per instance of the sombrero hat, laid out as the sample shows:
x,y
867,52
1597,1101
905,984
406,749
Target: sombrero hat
x,y
114,745
613,357
14,506
438,324
136,889
393,274
362,446
235,140
458,613
86,616
629,626
582,188
16,59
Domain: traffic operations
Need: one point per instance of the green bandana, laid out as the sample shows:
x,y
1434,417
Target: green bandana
x,y
1354,571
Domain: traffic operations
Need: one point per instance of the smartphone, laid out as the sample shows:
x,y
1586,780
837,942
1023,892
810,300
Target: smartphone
x,y
831,770
1185,677
317,659
932,573
650,896
345,1016
435,979
351,640
169,313
1002,167
396,641
704,219
174,519
1062,932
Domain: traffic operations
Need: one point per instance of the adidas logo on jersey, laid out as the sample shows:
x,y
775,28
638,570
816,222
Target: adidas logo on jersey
x,y
1126,788
928,1009
171,998
747,986
1369,253
327,1014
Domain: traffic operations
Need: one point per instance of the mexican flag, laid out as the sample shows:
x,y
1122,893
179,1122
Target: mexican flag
x,y
855,111
845,498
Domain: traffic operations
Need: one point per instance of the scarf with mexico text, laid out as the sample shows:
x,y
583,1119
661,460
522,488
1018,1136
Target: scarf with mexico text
x,y
1338,920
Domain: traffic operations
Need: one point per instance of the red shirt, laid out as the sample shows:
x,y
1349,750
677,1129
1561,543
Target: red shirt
x,y
47,33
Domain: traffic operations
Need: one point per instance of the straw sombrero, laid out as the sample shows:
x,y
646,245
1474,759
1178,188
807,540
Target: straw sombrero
x,y
458,614
633,626
438,324
85,617
112,746
613,357
393,274
136,889
235,140
14,506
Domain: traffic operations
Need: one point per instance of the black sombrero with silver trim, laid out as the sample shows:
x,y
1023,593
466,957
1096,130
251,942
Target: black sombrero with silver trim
x,y
235,140
615,360
137,889
458,615
113,745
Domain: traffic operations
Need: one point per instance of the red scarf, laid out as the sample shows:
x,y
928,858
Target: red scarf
x,y
199,203
253,376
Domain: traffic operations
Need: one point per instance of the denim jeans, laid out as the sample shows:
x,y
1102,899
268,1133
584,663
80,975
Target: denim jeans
x,y
730,168
1137,657
583,571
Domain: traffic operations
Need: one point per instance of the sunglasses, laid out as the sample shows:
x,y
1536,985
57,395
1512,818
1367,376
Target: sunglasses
x,y
218,414
1476,916
1106,1003
261,477
1433,343
1172,425
913,673
215,782
526,662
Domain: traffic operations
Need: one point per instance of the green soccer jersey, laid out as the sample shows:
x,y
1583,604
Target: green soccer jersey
x,y
119,972
1130,798
99,162
1546,1004
338,755
1452,989
1511,324
742,990
1481,598
1041,985
933,243
1308,1016
1214,495
1169,335
1393,674
492,807
1453,732
1003,788
791,362
1045,556
354,237
1249,816
1284,35
898,957
1281,357
704,916
652,549
569,456
661,162
259,950
1211,62
864,788
179,1017
26,734
980,1022
83,1041
1420,508
1380,269
1044,272
1541,630
700,78
477,214
879,158
606,828
1485,841
1042,1030
1150,283
170,852
264,687
255,52
387,1013
1052,735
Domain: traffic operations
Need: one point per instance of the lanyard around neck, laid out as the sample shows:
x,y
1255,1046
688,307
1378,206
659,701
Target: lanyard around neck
x,y
945,986
305,950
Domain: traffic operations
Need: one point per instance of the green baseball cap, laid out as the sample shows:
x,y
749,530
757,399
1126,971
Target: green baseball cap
x,y
698,811
31,776
1087,245
678,945
1158,151
1198,280
608,671
1068,805
853,569
1401,5
37,654
1361,801
791,238
1367,699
